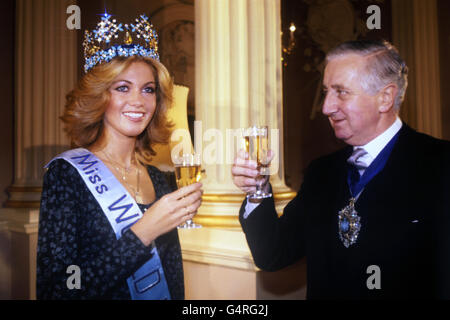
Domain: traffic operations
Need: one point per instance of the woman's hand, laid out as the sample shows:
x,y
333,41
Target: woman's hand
x,y
172,210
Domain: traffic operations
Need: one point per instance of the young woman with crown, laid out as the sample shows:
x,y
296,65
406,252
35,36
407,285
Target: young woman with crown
x,y
105,212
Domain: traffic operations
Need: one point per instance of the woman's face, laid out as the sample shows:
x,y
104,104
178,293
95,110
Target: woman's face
x,y
133,102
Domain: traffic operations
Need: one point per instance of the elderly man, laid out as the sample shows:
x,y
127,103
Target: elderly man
x,y
369,218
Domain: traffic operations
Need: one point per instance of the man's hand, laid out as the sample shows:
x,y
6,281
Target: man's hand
x,y
246,174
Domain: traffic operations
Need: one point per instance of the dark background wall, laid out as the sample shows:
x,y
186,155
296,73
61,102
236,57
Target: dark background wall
x,y
444,42
7,9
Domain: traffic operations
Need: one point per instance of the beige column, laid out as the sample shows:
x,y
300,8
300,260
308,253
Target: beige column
x,y
238,83
415,33
45,70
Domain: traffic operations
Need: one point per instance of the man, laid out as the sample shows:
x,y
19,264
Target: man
x,y
370,218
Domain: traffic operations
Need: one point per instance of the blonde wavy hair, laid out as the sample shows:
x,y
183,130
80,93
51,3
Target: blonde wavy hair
x,y
86,105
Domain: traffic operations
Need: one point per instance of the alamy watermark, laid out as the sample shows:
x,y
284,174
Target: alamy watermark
x,y
374,280
74,280
74,20
219,146
374,21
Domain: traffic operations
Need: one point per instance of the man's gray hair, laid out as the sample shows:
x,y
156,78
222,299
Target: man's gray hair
x,y
384,65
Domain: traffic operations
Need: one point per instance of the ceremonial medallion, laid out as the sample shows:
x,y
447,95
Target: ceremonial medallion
x,y
349,224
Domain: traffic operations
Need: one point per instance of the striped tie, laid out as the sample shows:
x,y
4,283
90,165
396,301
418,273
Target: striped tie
x,y
355,159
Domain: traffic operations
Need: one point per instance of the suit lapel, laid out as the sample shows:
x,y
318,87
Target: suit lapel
x,y
385,181
388,201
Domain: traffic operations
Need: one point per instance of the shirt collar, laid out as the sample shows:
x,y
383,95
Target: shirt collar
x,y
375,146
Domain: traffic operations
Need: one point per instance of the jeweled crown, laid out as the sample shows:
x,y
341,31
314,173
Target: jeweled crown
x,y
111,39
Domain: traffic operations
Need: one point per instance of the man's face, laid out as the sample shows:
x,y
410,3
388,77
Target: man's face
x,y
353,113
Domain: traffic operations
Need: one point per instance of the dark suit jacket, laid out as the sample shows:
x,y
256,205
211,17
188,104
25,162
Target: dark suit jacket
x,y
404,219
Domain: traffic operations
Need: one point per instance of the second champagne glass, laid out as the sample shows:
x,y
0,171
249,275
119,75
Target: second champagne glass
x,y
257,147
188,171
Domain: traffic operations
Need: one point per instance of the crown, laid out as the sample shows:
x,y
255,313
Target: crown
x,y
110,40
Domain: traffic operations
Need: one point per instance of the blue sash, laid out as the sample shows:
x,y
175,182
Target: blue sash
x,y
357,185
148,282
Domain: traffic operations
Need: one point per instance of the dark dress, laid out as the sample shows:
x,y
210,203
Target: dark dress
x,y
73,230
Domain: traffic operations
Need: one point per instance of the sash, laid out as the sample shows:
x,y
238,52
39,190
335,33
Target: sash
x,y
148,282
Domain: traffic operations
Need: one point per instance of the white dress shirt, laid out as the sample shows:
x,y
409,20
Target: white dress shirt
x,y
373,148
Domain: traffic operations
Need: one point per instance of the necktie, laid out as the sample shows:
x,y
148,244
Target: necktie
x,y
355,158
356,164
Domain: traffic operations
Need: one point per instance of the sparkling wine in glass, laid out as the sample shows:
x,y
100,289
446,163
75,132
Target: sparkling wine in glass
x,y
257,147
188,171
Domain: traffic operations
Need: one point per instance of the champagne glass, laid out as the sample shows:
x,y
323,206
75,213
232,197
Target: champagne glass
x,y
188,171
257,147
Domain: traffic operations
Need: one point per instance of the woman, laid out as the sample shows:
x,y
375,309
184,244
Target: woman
x,y
116,114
